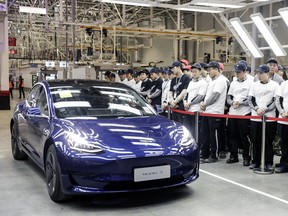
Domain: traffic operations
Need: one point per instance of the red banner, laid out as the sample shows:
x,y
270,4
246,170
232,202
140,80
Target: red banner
x,y
12,41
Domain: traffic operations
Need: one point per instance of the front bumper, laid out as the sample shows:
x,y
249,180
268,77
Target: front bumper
x,y
88,176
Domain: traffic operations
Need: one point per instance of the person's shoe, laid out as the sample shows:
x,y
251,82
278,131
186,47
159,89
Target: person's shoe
x,y
254,166
282,169
211,160
278,165
232,160
222,155
269,167
246,163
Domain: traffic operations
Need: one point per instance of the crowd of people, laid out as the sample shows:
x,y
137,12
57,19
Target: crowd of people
x,y
202,87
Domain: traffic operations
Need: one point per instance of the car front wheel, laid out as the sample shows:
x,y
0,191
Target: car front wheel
x,y
52,173
16,152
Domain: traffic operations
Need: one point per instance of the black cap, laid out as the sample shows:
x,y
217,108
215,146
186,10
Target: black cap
x,y
154,70
112,75
129,71
135,74
248,69
271,60
167,70
263,69
240,67
121,72
197,66
204,65
144,71
214,64
176,64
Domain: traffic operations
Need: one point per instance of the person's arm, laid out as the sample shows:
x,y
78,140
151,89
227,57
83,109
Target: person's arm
x,y
197,99
212,99
279,104
252,103
155,94
229,99
271,105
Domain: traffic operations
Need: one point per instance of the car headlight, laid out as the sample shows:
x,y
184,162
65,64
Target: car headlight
x,y
187,139
80,144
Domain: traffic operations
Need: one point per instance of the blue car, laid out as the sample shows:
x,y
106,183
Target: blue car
x,y
92,137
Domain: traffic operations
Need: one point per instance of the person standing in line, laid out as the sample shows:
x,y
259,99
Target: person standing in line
x,y
262,102
237,98
129,76
21,87
138,82
112,77
122,77
107,75
165,89
146,82
11,86
282,106
177,90
204,72
155,92
213,103
196,92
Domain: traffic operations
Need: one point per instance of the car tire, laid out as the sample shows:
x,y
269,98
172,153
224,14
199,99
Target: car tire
x,y
52,173
16,152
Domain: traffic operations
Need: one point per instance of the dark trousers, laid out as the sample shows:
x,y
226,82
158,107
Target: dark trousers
x,y
256,139
283,132
21,90
177,117
222,136
238,136
210,136
11,92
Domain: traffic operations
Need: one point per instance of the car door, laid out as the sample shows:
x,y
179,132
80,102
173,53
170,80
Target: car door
x,y
40,125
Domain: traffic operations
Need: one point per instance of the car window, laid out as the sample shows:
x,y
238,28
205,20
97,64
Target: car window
x,y
98,102
33,95
41,101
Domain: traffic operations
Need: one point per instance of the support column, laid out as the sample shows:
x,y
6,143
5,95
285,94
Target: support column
x,y
4,63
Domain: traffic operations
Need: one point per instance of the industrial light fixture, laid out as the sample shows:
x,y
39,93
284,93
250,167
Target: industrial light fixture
x,y
268,35
245,37
198,9
284,14
131,2
35,10
216,3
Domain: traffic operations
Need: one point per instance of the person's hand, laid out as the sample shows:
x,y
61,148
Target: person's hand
x,y
284,115
235,104
186,105
260,112
172,103
202,106
164,105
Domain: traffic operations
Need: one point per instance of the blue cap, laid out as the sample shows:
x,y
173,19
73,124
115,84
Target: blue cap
x,y
129,71
214,64
154,70
243,62
239,67
197,65
204,65
167,70
263,69
135,74
176,64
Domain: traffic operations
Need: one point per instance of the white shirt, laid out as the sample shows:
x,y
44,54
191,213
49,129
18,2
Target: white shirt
x,y
263,94
240,91
125,81
282,91
137,86
249,76
219,85
207,79
194,89
130,83
165,90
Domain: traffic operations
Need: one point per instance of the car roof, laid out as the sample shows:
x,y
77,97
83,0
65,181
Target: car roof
x,y
83,82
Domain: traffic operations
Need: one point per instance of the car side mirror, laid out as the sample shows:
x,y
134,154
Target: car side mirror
x,y
34,111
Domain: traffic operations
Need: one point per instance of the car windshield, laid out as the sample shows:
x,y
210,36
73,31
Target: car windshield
x,y
98,102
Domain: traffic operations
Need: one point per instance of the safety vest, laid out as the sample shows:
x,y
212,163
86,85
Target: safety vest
x,y
22,84
11,84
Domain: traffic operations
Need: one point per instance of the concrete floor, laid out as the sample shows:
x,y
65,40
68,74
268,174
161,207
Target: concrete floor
x,y
221,189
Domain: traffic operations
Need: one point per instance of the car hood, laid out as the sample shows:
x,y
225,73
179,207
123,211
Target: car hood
x,y
141,133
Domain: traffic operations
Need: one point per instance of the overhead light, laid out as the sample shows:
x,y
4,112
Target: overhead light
x,y
246,38
198,9
218,4
268,35
35,10
284,14
130,2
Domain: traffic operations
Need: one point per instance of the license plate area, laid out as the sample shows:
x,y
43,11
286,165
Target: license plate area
x,y
152,173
